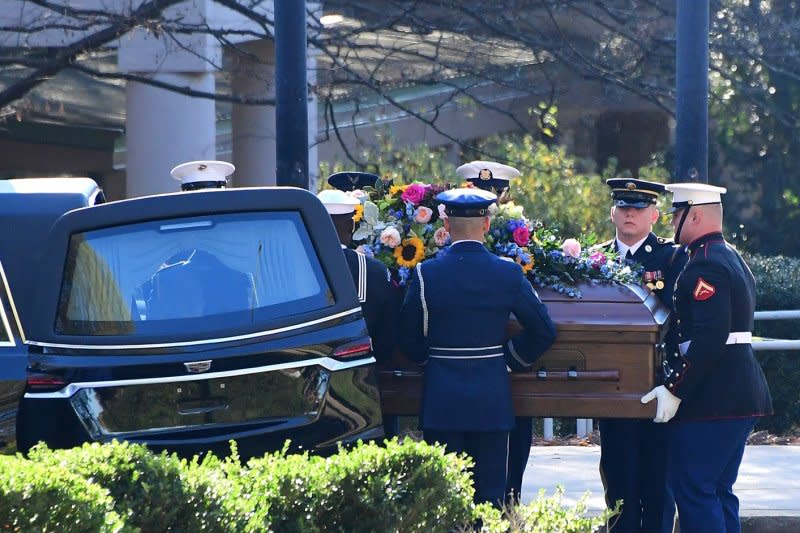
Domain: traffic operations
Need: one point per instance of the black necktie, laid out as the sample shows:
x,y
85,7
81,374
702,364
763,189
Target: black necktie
x,y
629,255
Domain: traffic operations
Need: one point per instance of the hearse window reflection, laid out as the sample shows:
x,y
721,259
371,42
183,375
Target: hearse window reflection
x,y
168,275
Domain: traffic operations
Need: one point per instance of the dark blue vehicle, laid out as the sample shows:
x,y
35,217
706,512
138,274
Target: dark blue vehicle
x,y
185,320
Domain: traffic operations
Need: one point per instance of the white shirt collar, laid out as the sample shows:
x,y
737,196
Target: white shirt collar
x,y
466,240
623,248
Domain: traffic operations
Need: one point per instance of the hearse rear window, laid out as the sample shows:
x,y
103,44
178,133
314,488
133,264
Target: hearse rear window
x,y
190,275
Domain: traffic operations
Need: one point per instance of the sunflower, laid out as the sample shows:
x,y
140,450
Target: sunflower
x,y
358,215
526,267
394,189
410,252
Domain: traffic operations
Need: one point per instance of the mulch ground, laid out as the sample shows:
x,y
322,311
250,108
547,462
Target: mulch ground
x,y
593,439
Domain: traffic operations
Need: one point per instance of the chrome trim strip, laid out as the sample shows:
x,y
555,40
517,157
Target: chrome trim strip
x,y
490,356
13,311
328,363
498,347
196,343
185,225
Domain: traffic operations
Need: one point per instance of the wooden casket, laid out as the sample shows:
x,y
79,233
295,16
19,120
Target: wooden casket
x,y
605,357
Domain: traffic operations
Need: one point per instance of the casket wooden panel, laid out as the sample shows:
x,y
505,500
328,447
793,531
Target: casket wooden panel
x,y
604,359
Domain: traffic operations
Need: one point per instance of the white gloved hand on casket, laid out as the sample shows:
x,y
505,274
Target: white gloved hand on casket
x,y
667,403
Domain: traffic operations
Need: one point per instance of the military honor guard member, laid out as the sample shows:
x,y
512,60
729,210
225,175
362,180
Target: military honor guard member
x,y
352,180
196,175
632,451
453,320
714,389
378,298
496,177
489,176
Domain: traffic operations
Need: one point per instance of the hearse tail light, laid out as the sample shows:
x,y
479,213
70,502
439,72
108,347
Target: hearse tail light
x,y
353,350
40,383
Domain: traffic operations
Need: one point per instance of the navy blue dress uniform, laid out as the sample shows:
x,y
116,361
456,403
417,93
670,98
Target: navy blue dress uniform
x,y
454,319
711,370
378,298
633,451
379,301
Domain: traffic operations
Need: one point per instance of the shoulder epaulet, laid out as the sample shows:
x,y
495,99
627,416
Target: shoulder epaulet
x,y
664,240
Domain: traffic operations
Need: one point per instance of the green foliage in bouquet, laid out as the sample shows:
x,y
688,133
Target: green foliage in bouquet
x,y
393,224
404,226
551,262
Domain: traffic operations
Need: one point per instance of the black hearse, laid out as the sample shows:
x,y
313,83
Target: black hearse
x,y
186,320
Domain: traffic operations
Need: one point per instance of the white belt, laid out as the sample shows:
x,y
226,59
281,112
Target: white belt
x,y
734,337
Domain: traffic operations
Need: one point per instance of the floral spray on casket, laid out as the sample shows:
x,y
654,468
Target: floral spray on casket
x,y
403,226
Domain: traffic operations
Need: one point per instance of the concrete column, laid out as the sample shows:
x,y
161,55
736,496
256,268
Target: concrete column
x,y
253,127
164,128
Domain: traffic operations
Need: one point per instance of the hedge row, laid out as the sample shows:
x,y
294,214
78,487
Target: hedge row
x,y
778,288
122,487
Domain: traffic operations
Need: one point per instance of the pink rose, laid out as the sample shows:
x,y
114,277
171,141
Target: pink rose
x,y
414,193
358,194
390,237
442,211
572,248
440,237
423,214
598,259
521,235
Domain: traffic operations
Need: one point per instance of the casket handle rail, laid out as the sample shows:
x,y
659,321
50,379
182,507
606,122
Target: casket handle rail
x,y
573,374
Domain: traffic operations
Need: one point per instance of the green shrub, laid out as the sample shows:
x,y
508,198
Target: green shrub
x,y
544,515
778,288
408,486
48,497
153,492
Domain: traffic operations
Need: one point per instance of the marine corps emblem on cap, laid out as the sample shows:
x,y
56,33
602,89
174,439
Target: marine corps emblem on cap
x,y
209,174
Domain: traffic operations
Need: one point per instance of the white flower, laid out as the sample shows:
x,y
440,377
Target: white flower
x,y
442,213
390,237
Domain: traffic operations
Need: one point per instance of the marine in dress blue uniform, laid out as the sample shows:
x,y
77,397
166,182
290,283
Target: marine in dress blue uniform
x,y
633,452
713,385
454,319
378,297
195,175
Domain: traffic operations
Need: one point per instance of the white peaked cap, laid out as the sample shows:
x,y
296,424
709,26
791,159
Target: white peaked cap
x,y
685,194
195,171
337,202
499,171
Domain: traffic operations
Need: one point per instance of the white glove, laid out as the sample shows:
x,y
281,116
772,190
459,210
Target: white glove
x,y
667,403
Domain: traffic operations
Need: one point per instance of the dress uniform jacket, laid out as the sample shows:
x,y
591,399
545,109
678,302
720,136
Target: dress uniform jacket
x,y
662,260
633,451
454,320
379,301
710,364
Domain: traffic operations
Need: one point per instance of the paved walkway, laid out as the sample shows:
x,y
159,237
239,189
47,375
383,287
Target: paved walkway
x,y
768,483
